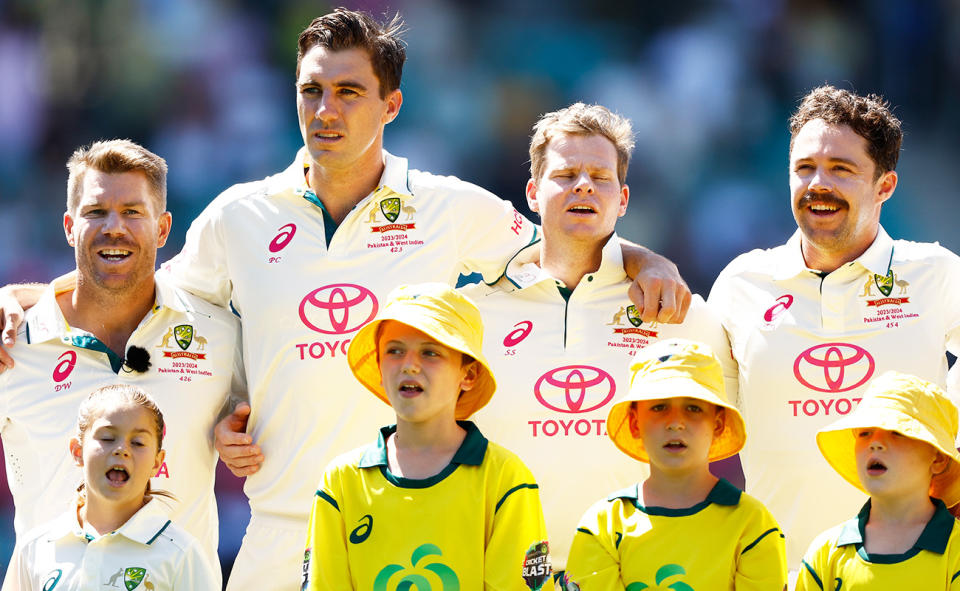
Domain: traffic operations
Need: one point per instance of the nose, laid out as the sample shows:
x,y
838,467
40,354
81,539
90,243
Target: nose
x,y
113,224
878,441
410,363
675,420
818,181
584,184
121,449
325,108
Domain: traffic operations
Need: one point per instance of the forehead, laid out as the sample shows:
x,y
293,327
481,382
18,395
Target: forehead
x,y
324,64
125,415
393,330
124,187
591,150
819,139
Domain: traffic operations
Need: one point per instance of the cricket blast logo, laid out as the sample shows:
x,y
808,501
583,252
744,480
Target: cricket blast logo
x,y
536,565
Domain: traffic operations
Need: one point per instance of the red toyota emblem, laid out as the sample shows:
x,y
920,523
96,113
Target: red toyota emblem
x,y
283,238
834,367
575,388
67,360
783,302
340,308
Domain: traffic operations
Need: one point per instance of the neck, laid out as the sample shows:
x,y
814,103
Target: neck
x,y
828,260
677,489
110,316
420,451
901,510
570,260
340,189
104,516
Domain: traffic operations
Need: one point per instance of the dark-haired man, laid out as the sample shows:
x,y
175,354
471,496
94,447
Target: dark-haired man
x,y
812,321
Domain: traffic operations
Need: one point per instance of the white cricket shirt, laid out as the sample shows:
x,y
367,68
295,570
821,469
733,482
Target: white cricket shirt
x,y
559,364
807,346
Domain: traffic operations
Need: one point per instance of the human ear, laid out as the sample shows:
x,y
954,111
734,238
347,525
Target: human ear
x,y
159,462
76,450
720,421
471,376
634,421
939,464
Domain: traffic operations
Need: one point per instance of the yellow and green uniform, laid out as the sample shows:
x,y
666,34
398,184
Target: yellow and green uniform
x,y
478,524
837,559
728,541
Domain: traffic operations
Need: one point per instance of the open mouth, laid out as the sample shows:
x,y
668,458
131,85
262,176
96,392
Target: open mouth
x,y
581,210
876,468
117,475
410,389
114,255
675,446
327,136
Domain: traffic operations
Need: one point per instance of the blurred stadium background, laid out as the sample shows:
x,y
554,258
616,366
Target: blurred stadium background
x,y
208,84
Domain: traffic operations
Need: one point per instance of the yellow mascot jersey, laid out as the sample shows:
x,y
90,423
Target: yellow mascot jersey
x,y
837,559
476,525
729,541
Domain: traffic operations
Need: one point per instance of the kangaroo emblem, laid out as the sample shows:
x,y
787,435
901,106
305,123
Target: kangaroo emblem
x,y
113,580
868,288
903,284
617,317
409,210
201,341
373,216
148,586
166,339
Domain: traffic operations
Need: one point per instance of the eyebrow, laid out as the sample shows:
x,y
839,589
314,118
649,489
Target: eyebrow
x,y
835,160
338,84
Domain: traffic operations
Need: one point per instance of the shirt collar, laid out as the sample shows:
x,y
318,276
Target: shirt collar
x,y
876,259
144,527
470,453
524,270
722,493
46,321
933,538
395,177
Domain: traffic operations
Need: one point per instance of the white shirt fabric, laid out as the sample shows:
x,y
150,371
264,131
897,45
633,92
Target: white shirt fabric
x,y
262,248
148,552
559,365
58,366
807,346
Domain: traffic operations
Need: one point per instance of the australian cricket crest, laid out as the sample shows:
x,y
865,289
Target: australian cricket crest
x,y
633,337
884,282
390,208
183,335
633,316
133,576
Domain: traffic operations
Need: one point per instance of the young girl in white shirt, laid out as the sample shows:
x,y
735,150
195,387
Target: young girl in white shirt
x,y
117,534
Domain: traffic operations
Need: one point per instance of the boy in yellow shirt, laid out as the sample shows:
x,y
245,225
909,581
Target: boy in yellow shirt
x,y
432,504
682,527
898,447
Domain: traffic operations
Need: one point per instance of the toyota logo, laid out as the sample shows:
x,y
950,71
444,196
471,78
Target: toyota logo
x,y
340,308
67,360
834,367
575,388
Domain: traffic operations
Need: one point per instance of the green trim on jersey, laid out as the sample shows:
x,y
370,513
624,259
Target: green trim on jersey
x,y
934,537
94,344
722,493
329,225
470,452
511,491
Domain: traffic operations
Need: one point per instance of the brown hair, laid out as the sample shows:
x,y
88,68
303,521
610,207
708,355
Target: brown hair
x,y
348,29
115,156
112,396
581,119
868,116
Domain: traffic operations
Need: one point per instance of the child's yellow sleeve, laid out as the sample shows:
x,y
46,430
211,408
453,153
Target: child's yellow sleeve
x,y
517,557
815,566
594,560
762,564
325,562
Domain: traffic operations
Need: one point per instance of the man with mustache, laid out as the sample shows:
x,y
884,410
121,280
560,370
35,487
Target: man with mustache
x,y
810,322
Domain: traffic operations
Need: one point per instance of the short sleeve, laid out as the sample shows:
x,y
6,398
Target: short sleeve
x,y
195,571
516,555
813,567
594,560
490,231
201,267
325,561
762,564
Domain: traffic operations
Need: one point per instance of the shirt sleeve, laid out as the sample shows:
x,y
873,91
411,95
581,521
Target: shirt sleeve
x,y
762,564
953,325
710,331
594,560
195,571
201,267
325,560
516,554
813,567
18,577
490,231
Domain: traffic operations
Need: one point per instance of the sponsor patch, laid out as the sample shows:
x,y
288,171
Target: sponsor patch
x,y
536,565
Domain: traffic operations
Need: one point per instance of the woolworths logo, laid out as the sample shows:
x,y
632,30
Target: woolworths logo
x,y
425,573
666,578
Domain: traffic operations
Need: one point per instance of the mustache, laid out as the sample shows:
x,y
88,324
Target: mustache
x,y
830,198
114,243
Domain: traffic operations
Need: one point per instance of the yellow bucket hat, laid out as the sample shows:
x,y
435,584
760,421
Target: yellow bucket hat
x,y
441,312
676,368
910,406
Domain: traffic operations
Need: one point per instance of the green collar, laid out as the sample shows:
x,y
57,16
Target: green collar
x,y
329,225
934,536
471,453
722,493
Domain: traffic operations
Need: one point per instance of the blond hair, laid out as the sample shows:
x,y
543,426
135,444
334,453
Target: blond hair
x,y
107,397
582,119
116,156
